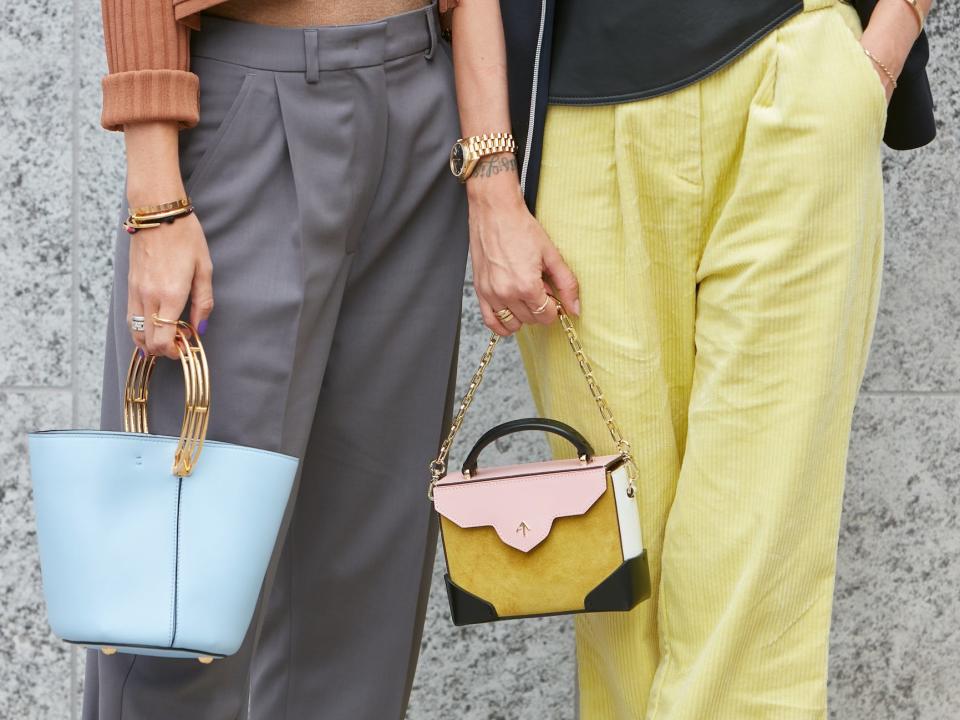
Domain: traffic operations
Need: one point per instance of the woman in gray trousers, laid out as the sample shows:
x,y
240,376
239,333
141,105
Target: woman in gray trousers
x,y
333,239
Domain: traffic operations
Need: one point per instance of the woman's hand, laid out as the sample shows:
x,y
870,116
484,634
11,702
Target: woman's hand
x,y
890,36
171,263
515,265
168,265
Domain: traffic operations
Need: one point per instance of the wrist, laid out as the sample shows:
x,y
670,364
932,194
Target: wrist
x,y
891,33
153,190
495,180
153,163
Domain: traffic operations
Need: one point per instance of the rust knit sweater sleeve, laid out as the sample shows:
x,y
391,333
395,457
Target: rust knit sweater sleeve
x,y
148,57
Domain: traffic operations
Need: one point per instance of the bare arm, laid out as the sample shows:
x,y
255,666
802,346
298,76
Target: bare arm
x,y
890,34
170,263
515,264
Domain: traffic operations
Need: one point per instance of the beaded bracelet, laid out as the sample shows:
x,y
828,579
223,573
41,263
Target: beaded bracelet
x,y
886,70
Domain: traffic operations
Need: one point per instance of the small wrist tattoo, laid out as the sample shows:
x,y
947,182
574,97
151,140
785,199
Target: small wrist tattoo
x,y
489,167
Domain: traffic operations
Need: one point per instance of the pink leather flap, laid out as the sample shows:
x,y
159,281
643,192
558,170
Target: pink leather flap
x,y
522,507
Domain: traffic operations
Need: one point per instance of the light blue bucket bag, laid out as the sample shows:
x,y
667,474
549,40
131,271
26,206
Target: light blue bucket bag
x,y
138,557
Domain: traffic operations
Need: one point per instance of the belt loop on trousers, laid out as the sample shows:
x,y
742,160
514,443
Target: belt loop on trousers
x,y
311,49
433,30
812,5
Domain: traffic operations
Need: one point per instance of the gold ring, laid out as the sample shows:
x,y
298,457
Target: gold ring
x,y
505,315
543,308
160,322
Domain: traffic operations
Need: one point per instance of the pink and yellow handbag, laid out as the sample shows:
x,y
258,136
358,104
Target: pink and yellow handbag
x,y
541,538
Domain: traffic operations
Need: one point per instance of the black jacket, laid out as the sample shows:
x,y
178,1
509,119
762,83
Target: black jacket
x,y
528,27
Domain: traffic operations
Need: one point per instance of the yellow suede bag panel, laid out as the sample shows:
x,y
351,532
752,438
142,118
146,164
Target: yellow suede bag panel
x,y
554,577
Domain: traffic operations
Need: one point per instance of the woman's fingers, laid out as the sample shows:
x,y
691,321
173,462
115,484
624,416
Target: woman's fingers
x,y
163,312
150,328
508,317
165,329
562,279
490,318
201,296
545,311
135,309
511,308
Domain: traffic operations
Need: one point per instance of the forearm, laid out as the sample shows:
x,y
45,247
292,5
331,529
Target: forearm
x,y
153,163
480,63
892,31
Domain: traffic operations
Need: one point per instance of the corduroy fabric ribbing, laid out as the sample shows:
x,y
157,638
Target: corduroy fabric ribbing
x,y
728,243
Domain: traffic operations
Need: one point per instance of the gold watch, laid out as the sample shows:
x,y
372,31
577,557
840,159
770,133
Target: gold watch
x,y
467,152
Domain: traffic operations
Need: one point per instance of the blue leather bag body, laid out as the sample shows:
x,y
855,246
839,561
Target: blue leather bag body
x,y
140,558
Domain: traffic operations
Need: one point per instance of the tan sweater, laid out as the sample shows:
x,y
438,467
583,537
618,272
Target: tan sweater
x,y
148,47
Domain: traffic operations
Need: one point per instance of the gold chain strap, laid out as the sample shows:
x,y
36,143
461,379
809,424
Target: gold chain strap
x,y
438,467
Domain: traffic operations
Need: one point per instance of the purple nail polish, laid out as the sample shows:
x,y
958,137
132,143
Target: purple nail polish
x,y
202,326
140,350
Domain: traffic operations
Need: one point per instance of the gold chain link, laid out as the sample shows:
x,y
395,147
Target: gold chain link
x,y
623,447
438,467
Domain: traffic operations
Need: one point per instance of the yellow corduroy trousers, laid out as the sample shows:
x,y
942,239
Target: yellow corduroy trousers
x,y
728,241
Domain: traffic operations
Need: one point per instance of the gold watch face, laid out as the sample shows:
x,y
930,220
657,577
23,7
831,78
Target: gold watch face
x,y
457,159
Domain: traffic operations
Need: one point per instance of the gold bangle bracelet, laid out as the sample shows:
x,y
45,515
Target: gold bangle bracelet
x,y
886,70
165,207
916,8
131,224
135,223
139,217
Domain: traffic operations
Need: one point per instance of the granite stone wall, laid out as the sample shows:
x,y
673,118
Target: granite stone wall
x,y
895,643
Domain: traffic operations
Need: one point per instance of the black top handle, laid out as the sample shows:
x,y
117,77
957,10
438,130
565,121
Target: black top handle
x,y
584,451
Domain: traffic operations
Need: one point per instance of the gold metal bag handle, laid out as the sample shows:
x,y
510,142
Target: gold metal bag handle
x,y
196,410
438,467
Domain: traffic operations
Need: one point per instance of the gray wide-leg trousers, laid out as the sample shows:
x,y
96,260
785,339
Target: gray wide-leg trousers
x,y
339,240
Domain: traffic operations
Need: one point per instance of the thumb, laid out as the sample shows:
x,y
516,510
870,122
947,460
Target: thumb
x,y
201,297
562,279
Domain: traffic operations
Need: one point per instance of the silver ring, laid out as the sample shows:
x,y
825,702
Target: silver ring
x,y
138,323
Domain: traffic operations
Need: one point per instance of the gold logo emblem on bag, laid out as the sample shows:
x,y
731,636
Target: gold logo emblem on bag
x,y
523,527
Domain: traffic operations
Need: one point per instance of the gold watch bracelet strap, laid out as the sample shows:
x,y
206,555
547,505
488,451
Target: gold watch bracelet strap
x,y
438,467
490,144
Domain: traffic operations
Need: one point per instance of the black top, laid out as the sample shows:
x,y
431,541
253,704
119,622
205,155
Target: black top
x,y
635,49
529,30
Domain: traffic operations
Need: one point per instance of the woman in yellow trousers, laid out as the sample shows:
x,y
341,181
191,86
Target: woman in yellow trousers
x,y
722,244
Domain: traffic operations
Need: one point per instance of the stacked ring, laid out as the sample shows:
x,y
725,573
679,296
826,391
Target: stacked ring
x,y
160,322
543,308
138,323
505,315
